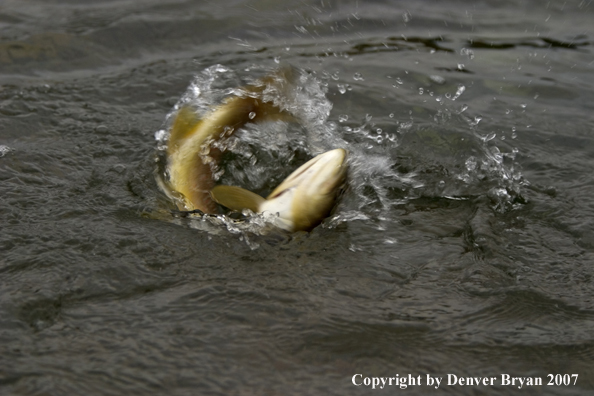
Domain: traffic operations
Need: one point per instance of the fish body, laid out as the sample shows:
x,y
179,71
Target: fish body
x,y
301,201
190,152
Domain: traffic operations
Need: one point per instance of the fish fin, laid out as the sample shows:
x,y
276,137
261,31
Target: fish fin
x,y
236,198
186,121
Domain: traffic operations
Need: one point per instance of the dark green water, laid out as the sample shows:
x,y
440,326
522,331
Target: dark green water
x,y
464,244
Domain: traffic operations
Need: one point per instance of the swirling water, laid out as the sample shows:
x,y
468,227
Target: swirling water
x,y
463,245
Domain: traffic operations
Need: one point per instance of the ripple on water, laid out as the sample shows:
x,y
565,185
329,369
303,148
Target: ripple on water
x,y
462,245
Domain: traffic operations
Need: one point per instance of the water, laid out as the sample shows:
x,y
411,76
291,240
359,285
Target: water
x,y
463,245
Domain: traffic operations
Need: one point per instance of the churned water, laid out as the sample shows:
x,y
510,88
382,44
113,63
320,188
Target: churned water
x,y
462,248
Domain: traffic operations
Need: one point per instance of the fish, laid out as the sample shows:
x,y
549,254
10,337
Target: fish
x,y
300,202
305,198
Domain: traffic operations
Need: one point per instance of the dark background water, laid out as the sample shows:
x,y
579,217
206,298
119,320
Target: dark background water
x,y
464,244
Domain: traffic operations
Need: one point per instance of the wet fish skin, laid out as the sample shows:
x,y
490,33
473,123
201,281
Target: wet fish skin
x,y
301,201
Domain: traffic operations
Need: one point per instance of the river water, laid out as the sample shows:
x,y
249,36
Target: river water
x,y
463,244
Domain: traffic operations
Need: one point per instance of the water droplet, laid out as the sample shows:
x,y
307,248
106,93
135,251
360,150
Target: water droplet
x,y
343,118
252,115
459,91
406,17
499,193
469,53
437,79
471,163
405,126
358,77
489,137
391,115
204,150
476,121
334,76
159,135
277,59
497,153
4,150
421,91
341,88
220,69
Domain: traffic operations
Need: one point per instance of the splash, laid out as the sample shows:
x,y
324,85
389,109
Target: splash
x,y
394,162
258,156
4,150
391,162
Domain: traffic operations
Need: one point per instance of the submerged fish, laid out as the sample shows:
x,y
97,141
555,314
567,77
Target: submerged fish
x,y
301,201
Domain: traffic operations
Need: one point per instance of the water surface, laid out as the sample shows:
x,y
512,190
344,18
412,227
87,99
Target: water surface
x,y
463,245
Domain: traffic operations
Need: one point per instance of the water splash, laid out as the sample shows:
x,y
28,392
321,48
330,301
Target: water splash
x,y
391,161
258,156
4,150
